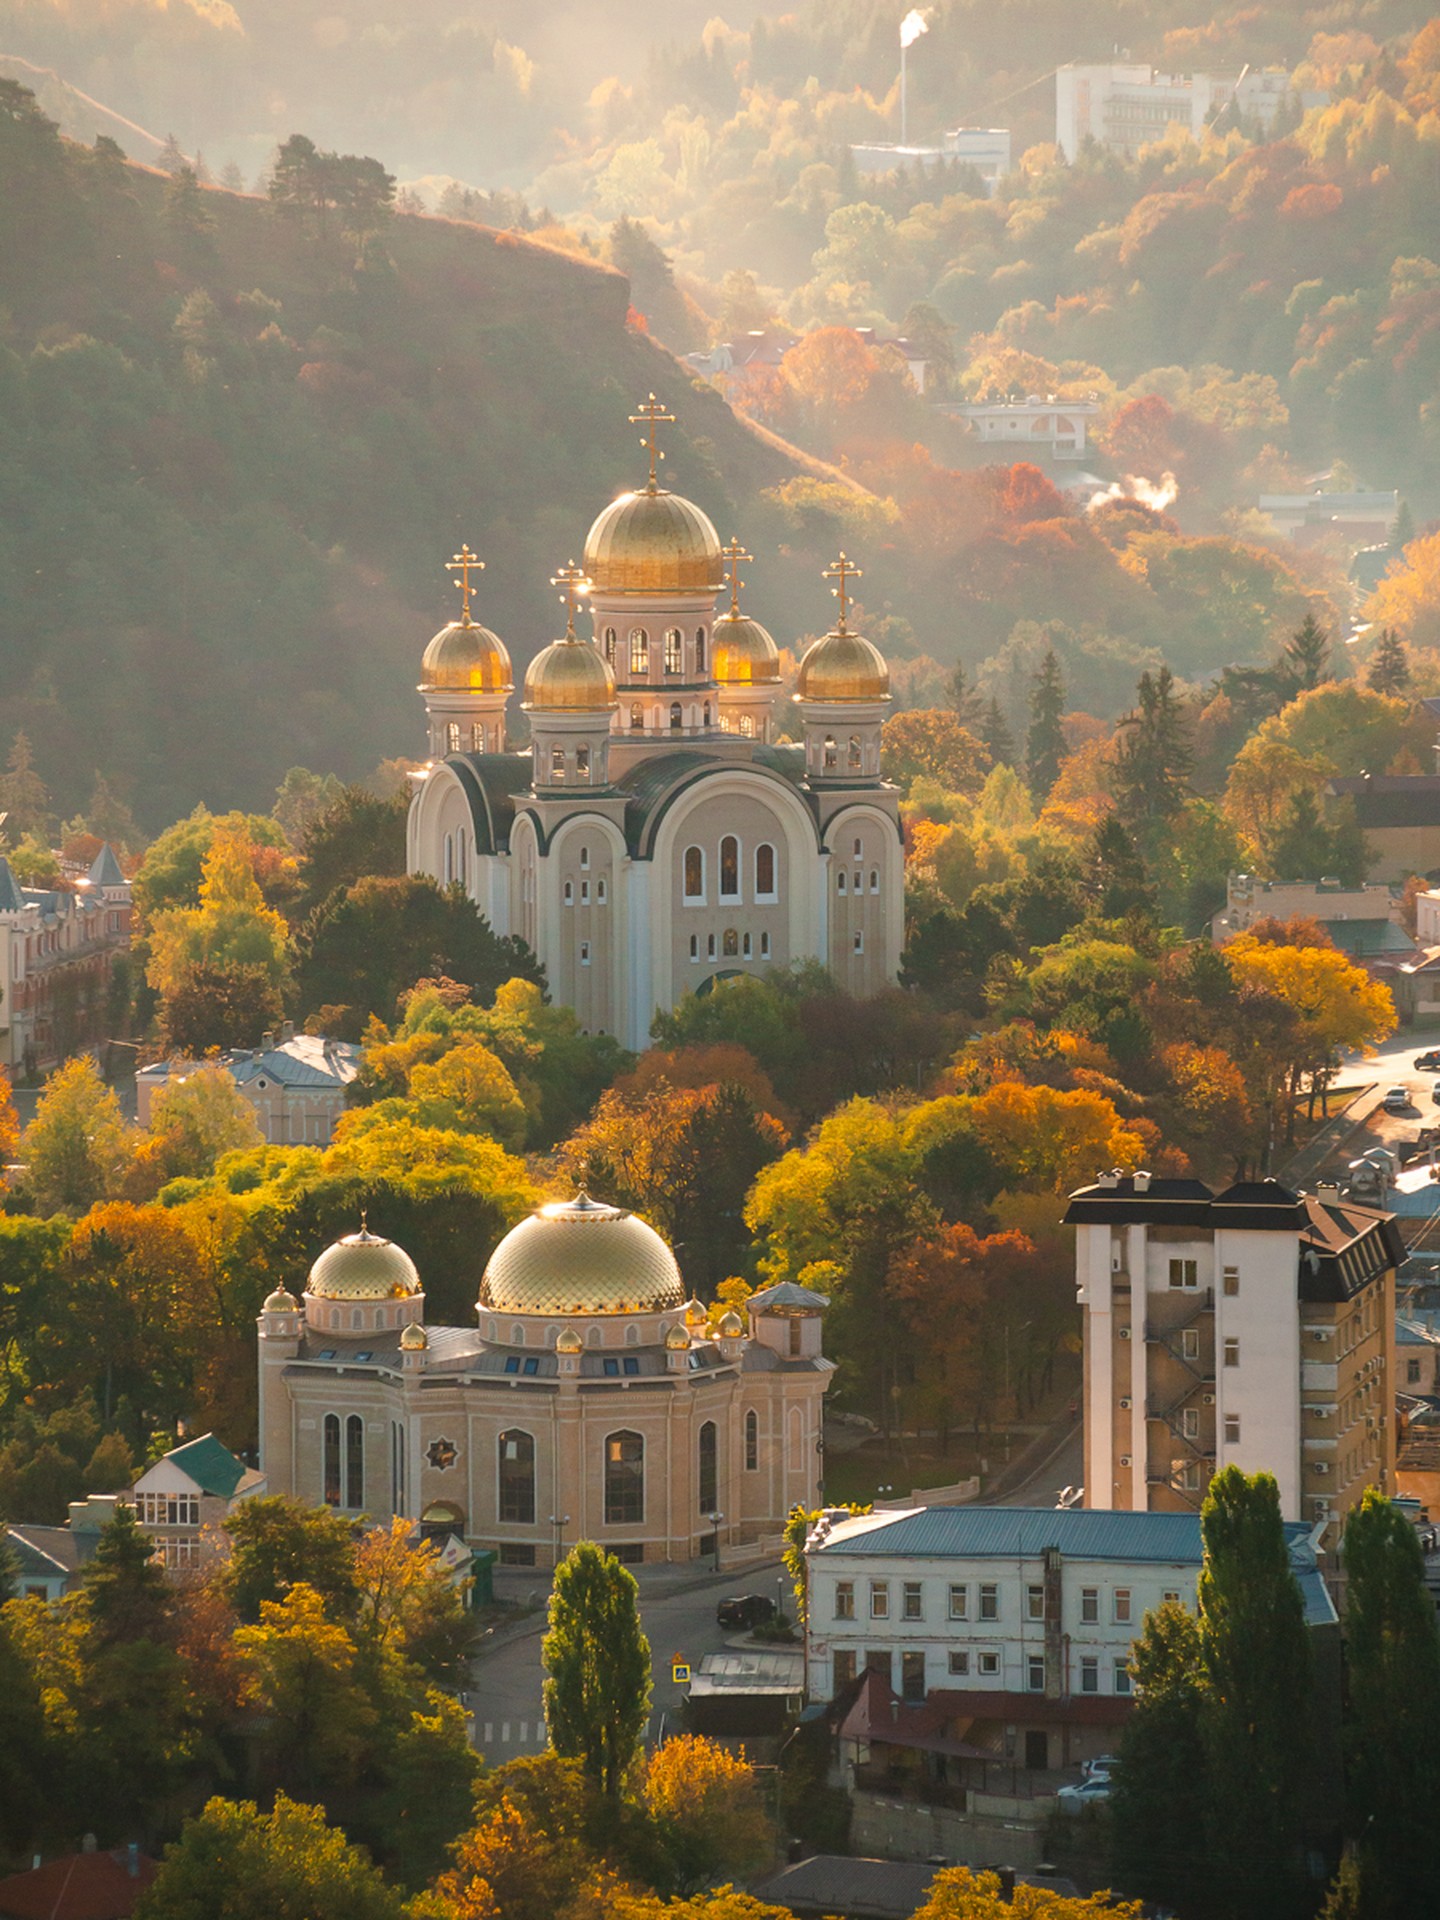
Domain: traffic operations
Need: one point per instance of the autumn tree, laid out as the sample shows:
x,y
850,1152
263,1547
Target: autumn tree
x,y
316,1718
194,1118
1336,1004
597,1666
947,1284
1160,1837
277,1543
224,960
705,1804
929,743
77,1148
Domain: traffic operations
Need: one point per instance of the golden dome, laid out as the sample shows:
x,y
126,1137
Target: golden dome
x,y
569,676
678,1338
743,654
731,1325
569,1341
281,1301
580,1256
653,543
466,659
414,1339
363,1266
843,666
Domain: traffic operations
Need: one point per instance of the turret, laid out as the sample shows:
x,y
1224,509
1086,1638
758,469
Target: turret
x,y
465,678
843,694
570,697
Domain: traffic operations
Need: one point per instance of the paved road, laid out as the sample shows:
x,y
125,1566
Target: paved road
x,y
505,1693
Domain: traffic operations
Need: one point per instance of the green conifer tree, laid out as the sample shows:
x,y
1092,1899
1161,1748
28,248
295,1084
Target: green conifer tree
x,y
126,1594
1045,742
1153,759
1305,662
995,733
1389,665
597,1666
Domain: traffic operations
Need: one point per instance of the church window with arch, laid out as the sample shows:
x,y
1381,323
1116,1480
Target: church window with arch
x,y
584,859
637,717
747,726
600,893
557,763
764,946
448,861
752,1441
477,736
674,658
452,736
354,1461
710,947
584,893
332,1460
569,893
765,871
708,1463
516,1465
700,650
582,763
624,1479
840,881
639,652
677,717
729,868
610,646
855,756
859,846
460,855
745,946
731,943
874,880
707,713
584,953
694,873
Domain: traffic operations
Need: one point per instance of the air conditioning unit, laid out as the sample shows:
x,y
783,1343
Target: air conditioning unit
x,y
1124,1459
1125,1403
1322,1466
1124,1333
1207,1399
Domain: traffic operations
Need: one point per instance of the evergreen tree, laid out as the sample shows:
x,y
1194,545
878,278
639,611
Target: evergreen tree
x,y
1306,846
188,220
126,1594
965,703
1045,742
24,797
597,1666
1114,879
1258,1706
1402,530
1159,1838
1392,1728
1305,662
170,158
996,736
1389,665
1153,758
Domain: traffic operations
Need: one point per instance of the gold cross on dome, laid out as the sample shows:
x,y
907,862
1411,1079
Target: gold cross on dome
x,y
844,571
737,556
653,412
464,563
572,579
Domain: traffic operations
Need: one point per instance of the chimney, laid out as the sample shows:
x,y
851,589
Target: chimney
x,y
1006,1877
1110,1179
88,1843
1327,1192
132,1859
1142,1181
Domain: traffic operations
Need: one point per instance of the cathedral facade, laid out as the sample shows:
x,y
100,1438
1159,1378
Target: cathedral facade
x,y
664,831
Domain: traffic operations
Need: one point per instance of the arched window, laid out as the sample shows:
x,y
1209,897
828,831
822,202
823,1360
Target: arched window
x,y
699,649
610,645
582,763
694,874
357,1320
752,1441
354,1461
632,1336
694,946
517,1478
709,1463
594,1337
449,859
569,893
676,717
584,859
452,736
637,717
600,893
707,713
557,763
460,855
858,846
624,1480
639,653
729,868
747,726
673,657
517,1335
731,943
477,736
874,880
855,752
830,755
840,881
332,1459
765,871
746,946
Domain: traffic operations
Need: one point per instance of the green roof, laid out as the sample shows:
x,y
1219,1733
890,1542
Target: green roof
x,y
1357,937
210,1464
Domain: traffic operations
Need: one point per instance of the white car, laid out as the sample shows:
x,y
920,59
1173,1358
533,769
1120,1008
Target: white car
x,y
1090,1793
1103,1767
1435,1093
1397,1100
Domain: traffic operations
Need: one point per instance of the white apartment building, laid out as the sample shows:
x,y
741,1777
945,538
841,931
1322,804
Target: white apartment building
x,y
1041,424
296,1082
1251,1328
1126,106
992,1604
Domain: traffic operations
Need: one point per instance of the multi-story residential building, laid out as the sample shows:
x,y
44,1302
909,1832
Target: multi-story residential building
x,y
182,1499
1399,815
1127,106
1040,424
297,1083
59,947
1014,1618
1251,1328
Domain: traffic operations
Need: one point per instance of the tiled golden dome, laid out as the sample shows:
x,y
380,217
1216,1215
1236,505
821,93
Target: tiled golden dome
x,y
743,654
467,659
843,666
414,1339
653,543
569,676
363,1266
582,1257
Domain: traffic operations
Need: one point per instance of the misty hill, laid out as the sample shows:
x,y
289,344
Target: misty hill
x,y
236,463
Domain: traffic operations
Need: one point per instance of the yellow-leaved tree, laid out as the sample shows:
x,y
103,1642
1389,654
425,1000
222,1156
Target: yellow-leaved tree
x,y
221,967
1337,1006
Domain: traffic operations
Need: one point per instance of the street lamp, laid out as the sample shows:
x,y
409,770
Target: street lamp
x,y
715,1519
559,1521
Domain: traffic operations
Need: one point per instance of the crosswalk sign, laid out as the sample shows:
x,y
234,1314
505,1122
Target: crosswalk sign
x,y
680,1672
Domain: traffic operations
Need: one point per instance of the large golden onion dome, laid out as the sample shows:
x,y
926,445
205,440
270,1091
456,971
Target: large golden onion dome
x,y
569,676
464,658
363,1266
742,652
581,1257
843,666
653,542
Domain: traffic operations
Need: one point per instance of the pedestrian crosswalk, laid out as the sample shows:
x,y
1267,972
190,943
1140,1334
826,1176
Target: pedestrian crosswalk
x,y
509,1738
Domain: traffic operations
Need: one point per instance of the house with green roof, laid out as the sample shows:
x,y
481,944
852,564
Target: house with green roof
x,y
185,1496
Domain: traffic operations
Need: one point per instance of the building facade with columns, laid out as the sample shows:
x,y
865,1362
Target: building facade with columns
x,y
662,832
589,1402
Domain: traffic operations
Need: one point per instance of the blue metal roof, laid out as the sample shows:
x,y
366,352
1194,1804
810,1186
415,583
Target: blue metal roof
x,y
1008,1533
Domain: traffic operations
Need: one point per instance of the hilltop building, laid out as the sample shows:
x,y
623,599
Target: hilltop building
x,y
1251,1328
1126,106
661,833
59,948
589,1402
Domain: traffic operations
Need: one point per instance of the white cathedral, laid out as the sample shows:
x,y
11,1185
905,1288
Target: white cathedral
x,y
662,832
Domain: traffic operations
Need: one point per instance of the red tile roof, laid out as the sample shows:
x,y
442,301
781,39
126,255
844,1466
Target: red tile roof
x,y
78,1886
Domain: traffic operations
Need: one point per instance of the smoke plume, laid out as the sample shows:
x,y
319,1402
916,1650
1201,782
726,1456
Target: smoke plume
x,y
916,22
1135,486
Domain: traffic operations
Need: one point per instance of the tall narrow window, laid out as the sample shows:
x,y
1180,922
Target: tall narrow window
x,y
354,1461
854,755
729,868
477,736
830,753
709,1476
730,944
557,763
517,1478
397,1467
765,871
747,726
452,736
752,1441
332,1459
624,1480
610,645
582,763
707,713
677,718
673,661
637,717
694,874
700,650
639,653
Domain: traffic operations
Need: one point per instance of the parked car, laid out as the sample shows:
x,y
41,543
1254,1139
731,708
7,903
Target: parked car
x,y
1435,1093
1397,1100
745,1610
1102,1767
1428,1062
1089,1793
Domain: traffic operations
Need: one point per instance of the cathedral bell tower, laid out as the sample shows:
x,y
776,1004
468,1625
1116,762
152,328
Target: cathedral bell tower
x,y
570,697
465,677
746,663
843,692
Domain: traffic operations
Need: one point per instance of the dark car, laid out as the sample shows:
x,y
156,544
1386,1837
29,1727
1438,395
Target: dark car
x,y
1428,1062
745,1610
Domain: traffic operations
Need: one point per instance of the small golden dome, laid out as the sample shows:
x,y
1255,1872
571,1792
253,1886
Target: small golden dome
x,y
569,676
743,653
678,1338
414,1339
581,1257
843,666
731,1325
569,1341
695,1314
466,659
363,1266
653,543
281,1301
